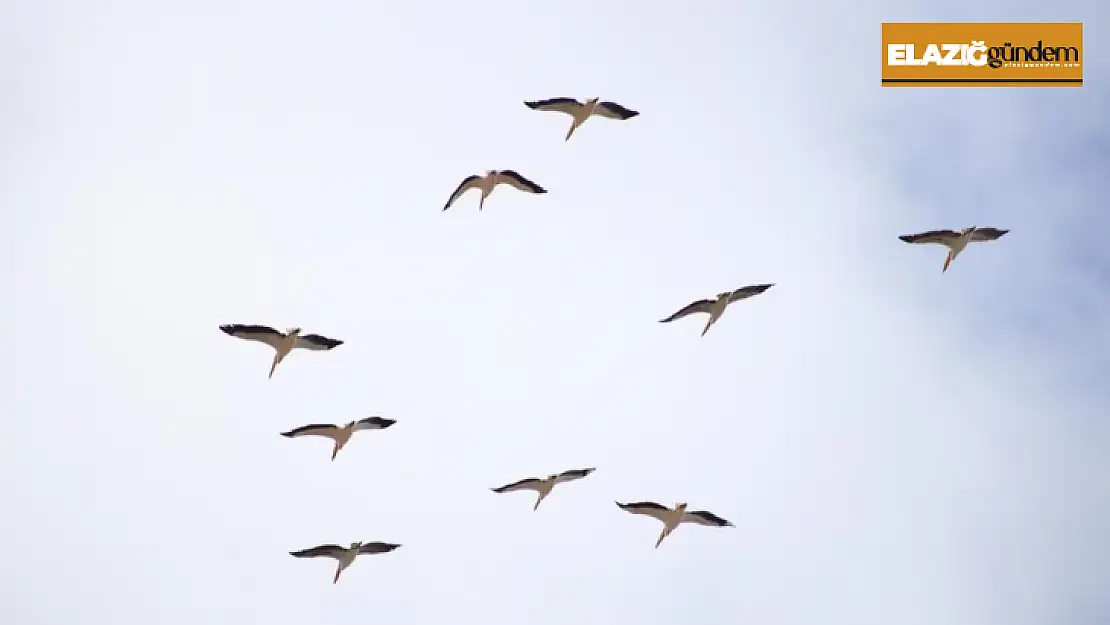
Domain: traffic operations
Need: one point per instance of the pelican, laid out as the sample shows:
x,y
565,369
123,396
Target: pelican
x,y
544,486
581,111
340,434
672,517
716,307
955,240
345,555
489,181
282,342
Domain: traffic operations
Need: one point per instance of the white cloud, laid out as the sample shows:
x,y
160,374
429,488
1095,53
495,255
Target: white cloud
x,y
893,445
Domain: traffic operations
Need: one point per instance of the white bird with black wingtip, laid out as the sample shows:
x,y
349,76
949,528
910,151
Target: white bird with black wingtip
x,y
340,434
489,181
716,307
282,342
955,240
543,487
581,111
673,517
344,555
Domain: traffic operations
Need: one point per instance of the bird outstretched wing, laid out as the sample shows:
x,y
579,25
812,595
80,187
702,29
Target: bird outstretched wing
x,y
987,234
467,184
932,236
315,429
315,342
748,291
520,182
612,110
262,334
373,423
530,483
323,551
703,517
648,508
573,474
562,105
372,548
700,306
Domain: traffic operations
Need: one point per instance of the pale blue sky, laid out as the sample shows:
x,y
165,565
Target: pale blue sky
x,y
895,446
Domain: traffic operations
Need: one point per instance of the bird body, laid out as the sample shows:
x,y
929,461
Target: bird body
x,y
283,343
955,240
716,307
544,486
673,517
344,556
340,434
488,182
581,111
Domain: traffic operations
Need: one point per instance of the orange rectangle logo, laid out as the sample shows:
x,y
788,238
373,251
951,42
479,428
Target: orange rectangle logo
x,y
987,54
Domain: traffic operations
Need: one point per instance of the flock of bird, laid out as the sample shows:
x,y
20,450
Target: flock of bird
x,y
283,344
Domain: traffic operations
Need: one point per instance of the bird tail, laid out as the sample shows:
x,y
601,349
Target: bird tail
x,y
662,535
573,127
708,324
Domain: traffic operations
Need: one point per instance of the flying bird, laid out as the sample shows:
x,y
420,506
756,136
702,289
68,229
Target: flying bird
x,y
672,517
340,434
544,486
282,342
489,181
345,555
716,307
955,240
581,111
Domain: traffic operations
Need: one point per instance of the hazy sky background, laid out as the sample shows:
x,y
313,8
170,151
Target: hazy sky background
x,y
895,445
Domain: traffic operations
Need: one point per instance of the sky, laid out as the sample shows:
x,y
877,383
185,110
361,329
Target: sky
x,y
893,444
